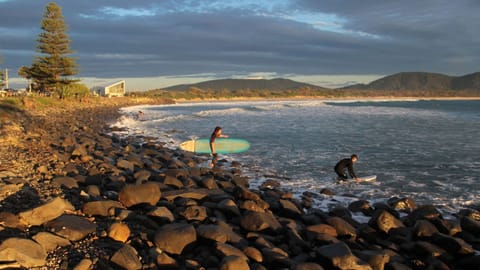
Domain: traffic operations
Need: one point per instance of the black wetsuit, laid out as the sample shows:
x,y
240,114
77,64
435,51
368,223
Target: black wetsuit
x,y
342,165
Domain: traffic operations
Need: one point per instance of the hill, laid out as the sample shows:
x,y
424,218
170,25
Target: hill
x,y
422,81
243,84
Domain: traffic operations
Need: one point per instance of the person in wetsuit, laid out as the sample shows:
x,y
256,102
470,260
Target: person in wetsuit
x,y
346,164
217,133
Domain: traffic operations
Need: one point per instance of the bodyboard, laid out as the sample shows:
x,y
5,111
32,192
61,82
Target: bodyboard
x,y
222,146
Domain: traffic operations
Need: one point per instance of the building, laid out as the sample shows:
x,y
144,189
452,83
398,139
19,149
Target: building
x,y
116,89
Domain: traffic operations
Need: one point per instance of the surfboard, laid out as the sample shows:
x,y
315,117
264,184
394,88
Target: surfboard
x,y
222,146
369,178
365,179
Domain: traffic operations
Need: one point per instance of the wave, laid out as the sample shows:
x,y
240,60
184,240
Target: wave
x,y
230,111
125,121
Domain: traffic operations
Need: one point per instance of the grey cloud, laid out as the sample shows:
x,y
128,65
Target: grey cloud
x,y
186,37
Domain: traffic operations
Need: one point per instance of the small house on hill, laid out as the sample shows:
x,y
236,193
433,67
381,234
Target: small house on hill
x,y
116,89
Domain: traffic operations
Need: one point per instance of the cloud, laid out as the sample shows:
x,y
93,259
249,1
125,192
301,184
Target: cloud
x,y
176,38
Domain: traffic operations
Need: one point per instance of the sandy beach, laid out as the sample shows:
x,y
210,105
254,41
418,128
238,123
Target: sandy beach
x,y
74,196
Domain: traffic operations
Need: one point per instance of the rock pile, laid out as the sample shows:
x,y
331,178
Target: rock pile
x,y
96,201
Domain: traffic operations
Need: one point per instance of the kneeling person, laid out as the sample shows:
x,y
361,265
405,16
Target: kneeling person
x,y
346,164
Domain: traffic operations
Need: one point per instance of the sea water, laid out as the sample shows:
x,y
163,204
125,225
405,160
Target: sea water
x,y
428,150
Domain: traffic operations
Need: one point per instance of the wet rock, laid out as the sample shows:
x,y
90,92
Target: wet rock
x,y
213,232
276,257
343,228
269,184
229,250
173,238
127,258
313,231
50,241
163,214
470,262
471,213
471,225
423,212
10,220
46,212
125,164
131,195
173,182
328,192
424,228
93,191
71,227
452,244
209,183
424,249
256,221
377,259
361,206
253,254
9,189
450,227
234,263
101,208
402,204
164,261
289,209
195,212
245,194
119,232
22,252
339,256
84,264
384,221
196,194
308,266
142,176
229,207
254,206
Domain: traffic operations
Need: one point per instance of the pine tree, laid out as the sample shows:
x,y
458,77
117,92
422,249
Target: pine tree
x,y
49,71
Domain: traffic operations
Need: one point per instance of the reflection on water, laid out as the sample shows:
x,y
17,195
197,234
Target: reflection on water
x,y
427,150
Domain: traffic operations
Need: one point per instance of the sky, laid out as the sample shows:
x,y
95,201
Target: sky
x,y
331,43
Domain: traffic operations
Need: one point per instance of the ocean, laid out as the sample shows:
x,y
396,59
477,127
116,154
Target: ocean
x,y
427,150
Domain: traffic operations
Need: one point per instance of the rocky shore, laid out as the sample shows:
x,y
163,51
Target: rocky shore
x,y
73,196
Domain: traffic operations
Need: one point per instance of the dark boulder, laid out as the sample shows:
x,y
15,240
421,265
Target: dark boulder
x,y
173,238
384,221
71,227
256,221
339,256
148,193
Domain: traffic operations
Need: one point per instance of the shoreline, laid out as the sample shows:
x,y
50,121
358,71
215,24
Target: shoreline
x,y
302,98
88,198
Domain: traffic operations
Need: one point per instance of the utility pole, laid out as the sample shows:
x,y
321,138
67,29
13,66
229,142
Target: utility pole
x,y
6,78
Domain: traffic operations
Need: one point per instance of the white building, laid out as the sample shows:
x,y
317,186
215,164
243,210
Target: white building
x,y
116,89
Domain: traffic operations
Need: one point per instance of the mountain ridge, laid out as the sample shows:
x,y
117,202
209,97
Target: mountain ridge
x,y
398,81
242,84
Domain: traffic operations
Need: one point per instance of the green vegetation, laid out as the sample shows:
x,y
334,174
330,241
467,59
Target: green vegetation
x,y
50,70
76,90
197,93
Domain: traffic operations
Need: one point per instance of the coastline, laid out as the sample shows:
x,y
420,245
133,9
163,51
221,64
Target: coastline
x,y
106,201
326,99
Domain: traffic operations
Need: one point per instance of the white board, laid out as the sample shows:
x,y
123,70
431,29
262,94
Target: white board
x,y
368,178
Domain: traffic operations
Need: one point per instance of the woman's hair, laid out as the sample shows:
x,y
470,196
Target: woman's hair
x,y
215,131
354,156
